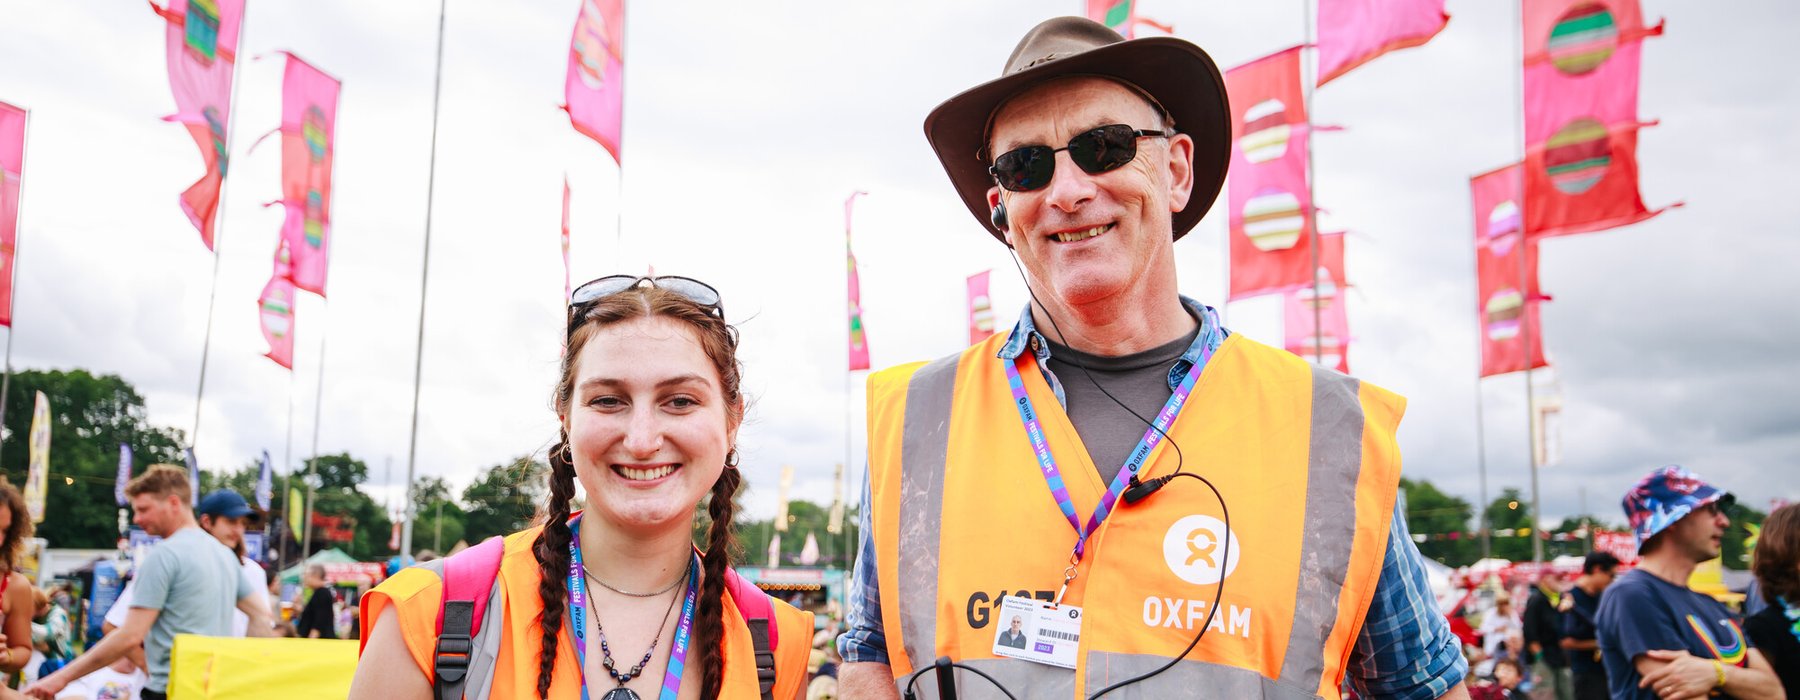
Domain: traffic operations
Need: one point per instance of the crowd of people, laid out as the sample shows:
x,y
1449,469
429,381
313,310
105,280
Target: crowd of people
x,y
1638,630
197,578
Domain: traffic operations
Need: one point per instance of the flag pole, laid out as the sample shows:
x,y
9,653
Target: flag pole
x,y
1481,456
619,201
13,301
1537,543
412,450
287,467
312,468
1308,55
218,241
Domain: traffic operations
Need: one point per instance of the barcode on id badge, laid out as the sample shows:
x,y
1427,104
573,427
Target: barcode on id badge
x,y
1059,634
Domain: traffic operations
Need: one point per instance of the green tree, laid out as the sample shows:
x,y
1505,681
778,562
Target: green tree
x,y
337,496
1435,514
438,521
804,517
1510,513
504,500
90,417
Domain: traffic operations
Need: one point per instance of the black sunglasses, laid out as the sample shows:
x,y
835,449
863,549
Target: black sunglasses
x,y
1095,151
687,287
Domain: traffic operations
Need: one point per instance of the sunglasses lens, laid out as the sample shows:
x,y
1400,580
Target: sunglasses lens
x,y
1024,169
695,290
604,286
1103,149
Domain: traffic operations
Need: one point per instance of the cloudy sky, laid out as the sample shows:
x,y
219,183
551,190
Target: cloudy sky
x,y
747,124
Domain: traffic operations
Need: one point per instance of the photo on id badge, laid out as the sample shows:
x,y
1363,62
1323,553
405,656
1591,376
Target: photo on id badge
x,y
1033,630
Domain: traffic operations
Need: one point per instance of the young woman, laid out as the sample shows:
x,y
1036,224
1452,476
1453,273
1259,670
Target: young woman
x,y
650,404
16,605
1775,630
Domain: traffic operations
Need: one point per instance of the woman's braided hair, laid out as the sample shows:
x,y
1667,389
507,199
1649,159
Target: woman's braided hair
x,y
719,340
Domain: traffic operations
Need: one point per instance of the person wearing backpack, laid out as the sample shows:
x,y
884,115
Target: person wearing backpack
x,y
614,602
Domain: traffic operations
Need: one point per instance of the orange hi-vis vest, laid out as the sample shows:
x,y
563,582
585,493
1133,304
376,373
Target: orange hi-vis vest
x,y
1304,457
416,593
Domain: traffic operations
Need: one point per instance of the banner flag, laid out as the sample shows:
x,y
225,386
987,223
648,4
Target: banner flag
x,y
265,483
981,309
12,171
202,53
809,552
1117,15
1506,315
124,476
859,344
296,504
37,471
1332,341
308,140
1581,74
193,467
1354,32
568,292
1270,206
276,308
594,89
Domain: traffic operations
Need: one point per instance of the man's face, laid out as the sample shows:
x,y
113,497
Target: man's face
x,y
1604,577
1699,534
228,531
156,513
1130,207
1015,623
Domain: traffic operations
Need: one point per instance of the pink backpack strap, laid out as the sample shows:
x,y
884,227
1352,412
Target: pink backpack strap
x,y
765,635
468,583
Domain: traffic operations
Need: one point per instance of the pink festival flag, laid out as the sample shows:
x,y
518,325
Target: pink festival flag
x,y
567,291
308,141
1582,60
1270,207
594,89
202,52
1354,32
12,169
276,307
859,344
1325,309
981,308
1506,289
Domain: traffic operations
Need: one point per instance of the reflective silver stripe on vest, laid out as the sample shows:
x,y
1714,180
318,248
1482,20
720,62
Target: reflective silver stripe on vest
x,y
1197,678
1334,464
924,447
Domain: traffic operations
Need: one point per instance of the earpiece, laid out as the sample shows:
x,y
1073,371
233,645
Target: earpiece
x,y
998,216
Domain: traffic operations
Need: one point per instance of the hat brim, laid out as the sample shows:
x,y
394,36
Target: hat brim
x,y
1723,498
1177,73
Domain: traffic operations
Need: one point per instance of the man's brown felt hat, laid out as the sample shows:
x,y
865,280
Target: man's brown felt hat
x,y
1176,73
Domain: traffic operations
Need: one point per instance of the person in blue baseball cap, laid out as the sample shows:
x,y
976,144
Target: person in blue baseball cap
x,y
226,516
1659,638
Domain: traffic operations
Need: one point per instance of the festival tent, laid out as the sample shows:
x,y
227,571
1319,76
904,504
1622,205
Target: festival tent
x,y
340,569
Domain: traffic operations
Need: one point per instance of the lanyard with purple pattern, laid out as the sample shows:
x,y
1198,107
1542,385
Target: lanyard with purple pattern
x,y
1211,340
671,685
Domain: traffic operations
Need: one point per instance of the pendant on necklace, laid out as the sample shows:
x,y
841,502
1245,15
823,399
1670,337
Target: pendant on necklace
x,y
620,693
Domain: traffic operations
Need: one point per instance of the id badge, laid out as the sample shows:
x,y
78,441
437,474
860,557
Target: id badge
x,y
1036,631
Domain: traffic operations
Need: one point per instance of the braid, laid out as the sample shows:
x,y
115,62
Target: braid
x,y
552,551
709,627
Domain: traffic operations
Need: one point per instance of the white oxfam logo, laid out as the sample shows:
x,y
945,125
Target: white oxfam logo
x,y
1194,548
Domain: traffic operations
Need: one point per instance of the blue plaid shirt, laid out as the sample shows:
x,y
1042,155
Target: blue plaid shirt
x,y
1405,649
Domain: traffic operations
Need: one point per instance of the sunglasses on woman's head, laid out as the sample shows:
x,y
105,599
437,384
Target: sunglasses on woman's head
x,y
686,287
1095,151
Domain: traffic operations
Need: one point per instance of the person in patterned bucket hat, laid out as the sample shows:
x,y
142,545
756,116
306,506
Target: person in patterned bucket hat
x,y
1659,638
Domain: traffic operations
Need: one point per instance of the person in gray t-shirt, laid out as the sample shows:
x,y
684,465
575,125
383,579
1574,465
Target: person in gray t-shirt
x,y
188,584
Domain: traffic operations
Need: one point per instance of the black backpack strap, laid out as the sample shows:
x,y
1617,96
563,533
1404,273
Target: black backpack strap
x,y
454,646
765,656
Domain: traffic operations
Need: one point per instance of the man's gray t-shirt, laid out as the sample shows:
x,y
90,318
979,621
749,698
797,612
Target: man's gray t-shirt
x,y
196,583
1139,380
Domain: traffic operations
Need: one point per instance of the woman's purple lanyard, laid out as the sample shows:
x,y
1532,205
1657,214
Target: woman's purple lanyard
x,y
578,619
1212,338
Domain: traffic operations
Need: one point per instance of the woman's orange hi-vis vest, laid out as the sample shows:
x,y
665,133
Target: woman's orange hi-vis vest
x,y
416,593
1305,458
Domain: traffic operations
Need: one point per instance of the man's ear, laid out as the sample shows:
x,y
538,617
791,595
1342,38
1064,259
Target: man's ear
x,y
1181,171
